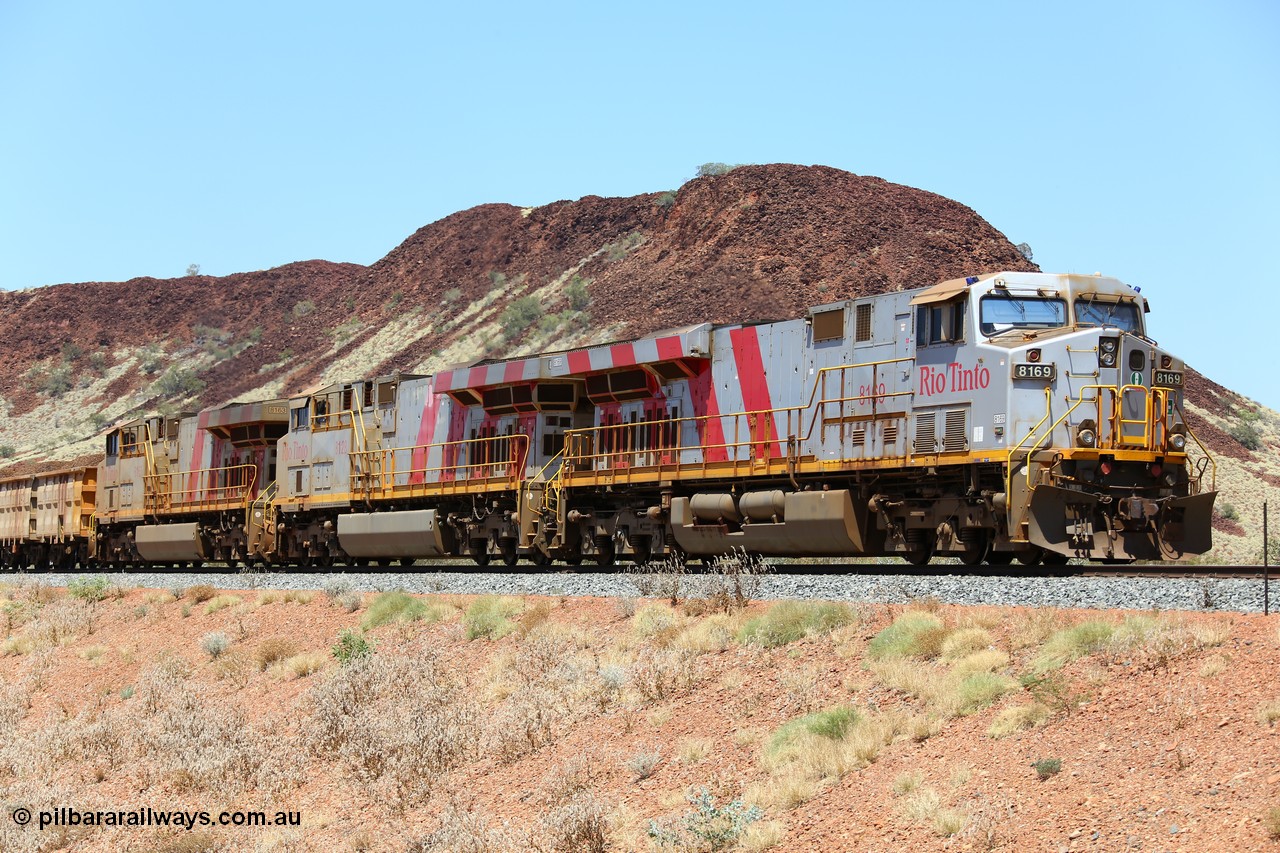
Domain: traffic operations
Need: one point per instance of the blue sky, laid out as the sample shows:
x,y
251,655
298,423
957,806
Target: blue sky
x,y
1136,139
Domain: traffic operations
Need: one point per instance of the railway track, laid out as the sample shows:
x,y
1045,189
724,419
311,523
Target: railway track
x,y
1200,588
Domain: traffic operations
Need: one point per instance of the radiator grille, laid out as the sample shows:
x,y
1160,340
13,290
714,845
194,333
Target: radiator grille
x,y
926,429
955,438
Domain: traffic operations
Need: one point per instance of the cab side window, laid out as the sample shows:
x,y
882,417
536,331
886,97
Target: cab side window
x,y
941,324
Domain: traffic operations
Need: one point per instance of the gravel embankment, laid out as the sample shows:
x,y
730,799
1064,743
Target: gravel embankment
x,y
1239,595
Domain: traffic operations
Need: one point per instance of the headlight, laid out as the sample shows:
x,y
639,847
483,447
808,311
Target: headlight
x,y
1108,344
1108,359
1086,433
1177,442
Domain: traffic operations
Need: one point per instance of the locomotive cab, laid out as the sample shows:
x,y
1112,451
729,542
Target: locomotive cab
x,y
1098,459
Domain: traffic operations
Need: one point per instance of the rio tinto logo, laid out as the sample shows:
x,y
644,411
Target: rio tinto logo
x,y
953,378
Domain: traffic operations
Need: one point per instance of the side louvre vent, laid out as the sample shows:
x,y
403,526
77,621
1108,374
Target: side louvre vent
x,y
926,433
955,441
862,322
858,436
890,436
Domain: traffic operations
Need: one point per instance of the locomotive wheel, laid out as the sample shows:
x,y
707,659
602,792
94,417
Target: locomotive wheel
x,y
1031,556
479,550
974,552
919,549
1053,558
999,558
510,556
406,562
918,556
604,552
538,558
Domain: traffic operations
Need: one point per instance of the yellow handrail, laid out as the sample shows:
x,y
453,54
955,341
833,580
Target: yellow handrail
x,y
1213,463
510,457
1008,468
201,491
553,484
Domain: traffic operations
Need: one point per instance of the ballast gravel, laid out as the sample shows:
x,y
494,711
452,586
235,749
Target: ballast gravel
x,y
1242,595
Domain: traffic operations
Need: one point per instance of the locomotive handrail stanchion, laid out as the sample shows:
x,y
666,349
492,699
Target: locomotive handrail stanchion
x,y
1049,433
1008,473
1213,486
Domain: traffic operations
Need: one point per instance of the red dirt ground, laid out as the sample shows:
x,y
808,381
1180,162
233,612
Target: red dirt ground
x,y
1159,751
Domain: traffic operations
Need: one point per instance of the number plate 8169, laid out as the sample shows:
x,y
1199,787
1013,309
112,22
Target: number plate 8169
x,y
1028,370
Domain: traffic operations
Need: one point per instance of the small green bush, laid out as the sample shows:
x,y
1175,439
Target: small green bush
x,y
913,634
978,690
1229,512
451,295
1046,767
88,588
707,826
1245,429
391,607
56,381
710,169
1067,645
665,200
577,294
832,724
178,382
788,621
7,451
520,315
215,643
351,646
489,616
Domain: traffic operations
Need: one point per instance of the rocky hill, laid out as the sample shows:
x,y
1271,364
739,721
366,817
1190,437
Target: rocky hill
x,y
756,242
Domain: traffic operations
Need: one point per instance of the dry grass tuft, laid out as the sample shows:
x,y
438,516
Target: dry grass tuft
x,y
762,835
1271,821
785,790
1214,665
273,650
964,642
693,750
201,593
1018,718
302,665
924,808
657,622
713,634
220,602
907,782
1269,712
